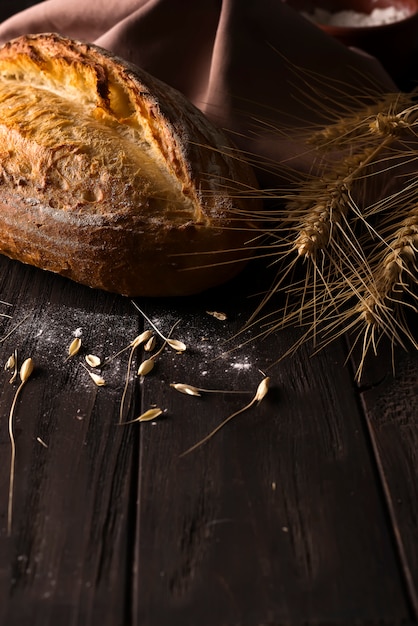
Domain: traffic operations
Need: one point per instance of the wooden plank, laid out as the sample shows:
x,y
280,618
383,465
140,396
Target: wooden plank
x,y
68,558
390,399
278,519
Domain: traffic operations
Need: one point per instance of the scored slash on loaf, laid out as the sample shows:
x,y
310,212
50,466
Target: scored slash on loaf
x,y
112,178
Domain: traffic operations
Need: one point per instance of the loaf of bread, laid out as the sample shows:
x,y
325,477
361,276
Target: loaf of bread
x,y
112,178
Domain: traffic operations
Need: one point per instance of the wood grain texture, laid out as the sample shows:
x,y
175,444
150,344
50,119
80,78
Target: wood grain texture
x,y
391,406
276,520
280,519
66,560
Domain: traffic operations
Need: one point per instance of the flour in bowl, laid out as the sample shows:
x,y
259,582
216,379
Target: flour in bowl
x,y
377,17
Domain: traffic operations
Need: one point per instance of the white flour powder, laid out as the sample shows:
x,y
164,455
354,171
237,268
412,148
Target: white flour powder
x,y
377,17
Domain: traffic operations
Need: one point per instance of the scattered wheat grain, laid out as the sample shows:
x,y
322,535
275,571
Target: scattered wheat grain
x,y
146,367
150,344
25,372
96,378
93,360
217,315
74,347
148,416
189,390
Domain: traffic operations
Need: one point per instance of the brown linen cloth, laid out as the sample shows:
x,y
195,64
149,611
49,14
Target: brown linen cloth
x,y
252,66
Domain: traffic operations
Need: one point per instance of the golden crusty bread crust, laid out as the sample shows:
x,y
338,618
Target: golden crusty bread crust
x,y
109,176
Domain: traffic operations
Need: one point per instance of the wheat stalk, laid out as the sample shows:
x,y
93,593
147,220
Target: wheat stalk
x,y
354,237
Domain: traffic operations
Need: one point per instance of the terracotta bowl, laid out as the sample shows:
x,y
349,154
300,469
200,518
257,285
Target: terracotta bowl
x,y
394,44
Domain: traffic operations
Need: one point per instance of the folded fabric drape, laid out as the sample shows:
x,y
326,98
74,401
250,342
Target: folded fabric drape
x,y
255,68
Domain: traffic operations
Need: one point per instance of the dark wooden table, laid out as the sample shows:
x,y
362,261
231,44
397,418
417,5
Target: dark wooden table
x,y
301,511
